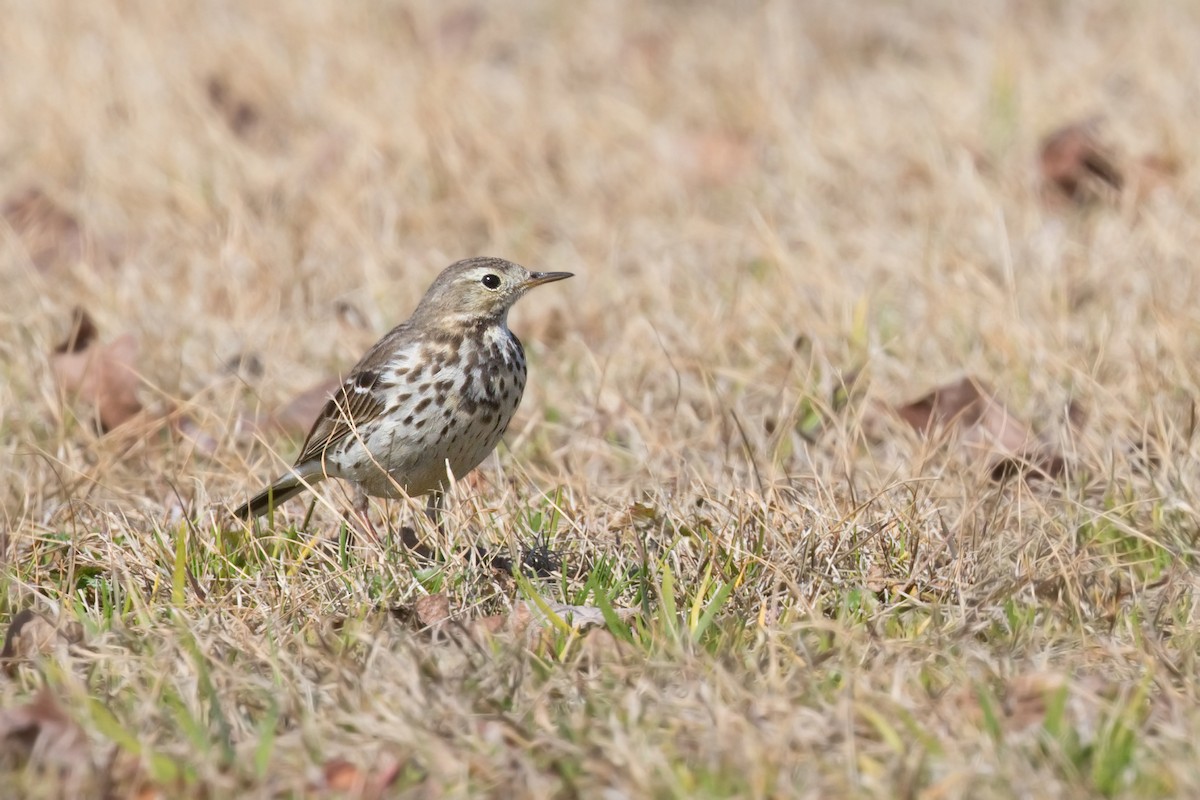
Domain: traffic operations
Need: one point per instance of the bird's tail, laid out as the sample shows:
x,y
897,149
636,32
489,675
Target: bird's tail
x,y
274,495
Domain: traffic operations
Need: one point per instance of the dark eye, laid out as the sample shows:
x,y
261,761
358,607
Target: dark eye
x,y
490,281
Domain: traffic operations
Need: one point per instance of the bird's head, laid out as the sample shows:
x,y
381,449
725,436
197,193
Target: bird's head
x,y
479,290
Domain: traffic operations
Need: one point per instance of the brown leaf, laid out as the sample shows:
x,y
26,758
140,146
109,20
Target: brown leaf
x,y
297,417
51,235
426,614
385,774
101,376
41,734
985,428
601,647
516,622
1074,162
247,366
457,28
953,402
351,316
148,791
1021,702
83,333
240,115
31,634
713,157
491,624
432,610
1151,173
1027,697
340,776
191,430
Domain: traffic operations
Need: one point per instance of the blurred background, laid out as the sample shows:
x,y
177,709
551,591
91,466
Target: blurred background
x,y
759,199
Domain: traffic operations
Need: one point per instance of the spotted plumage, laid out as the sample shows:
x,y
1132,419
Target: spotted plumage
x,y
430,400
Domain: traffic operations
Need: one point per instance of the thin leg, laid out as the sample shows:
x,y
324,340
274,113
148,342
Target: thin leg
x,y
362,511
408,533
434,510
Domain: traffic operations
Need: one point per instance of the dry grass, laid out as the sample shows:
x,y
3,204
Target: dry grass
x,y
759,201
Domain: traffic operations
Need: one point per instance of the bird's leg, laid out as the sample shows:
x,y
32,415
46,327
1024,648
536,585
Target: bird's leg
x,y
408,533
362,511
435,510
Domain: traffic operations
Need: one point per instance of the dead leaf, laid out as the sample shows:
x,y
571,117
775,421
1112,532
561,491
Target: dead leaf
x,y
351,316
385,774
148,791
515,623
984,427
124,768
1074,162
713,157
297,417
491,625
247,366
457,28
647,49
342,777
601,647
432,610
240,114
51,235
83,333
1020,703
1027,697
42,735
101,376
31,634
1151,173
427,614
191,430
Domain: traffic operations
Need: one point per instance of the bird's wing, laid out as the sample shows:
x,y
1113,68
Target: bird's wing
x,y
359,400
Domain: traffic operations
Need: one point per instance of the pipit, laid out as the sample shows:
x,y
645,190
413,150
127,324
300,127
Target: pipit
x,y
430,400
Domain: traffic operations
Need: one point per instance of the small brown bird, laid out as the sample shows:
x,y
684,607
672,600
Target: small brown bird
x,y
431,399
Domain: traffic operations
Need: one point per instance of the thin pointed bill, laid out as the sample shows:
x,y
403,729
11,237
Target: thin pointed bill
x,y
538,278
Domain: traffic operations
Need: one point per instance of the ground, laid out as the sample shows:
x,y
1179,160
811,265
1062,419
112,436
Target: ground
x,y
719,554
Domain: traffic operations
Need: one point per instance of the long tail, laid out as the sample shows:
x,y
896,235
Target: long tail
x,y
275,495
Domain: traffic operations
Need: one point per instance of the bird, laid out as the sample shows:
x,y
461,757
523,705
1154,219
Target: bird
x,y
428,401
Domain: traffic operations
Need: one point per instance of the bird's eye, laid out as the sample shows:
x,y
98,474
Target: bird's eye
x,y
490,281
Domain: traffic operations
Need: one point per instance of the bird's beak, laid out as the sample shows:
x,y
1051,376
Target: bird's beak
x,y
538,278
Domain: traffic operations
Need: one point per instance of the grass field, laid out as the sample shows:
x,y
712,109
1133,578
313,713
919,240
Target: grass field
x,y
741,571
